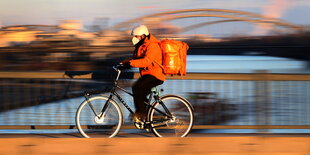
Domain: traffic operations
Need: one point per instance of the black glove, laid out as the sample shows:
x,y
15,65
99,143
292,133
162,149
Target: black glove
x,y
124,65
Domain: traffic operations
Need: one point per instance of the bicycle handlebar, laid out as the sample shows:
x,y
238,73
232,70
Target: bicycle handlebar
x,y
121,66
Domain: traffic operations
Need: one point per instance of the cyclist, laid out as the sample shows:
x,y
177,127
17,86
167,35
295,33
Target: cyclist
x,y
147,51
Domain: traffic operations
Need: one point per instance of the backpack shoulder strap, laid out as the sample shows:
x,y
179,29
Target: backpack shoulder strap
x,y
161,66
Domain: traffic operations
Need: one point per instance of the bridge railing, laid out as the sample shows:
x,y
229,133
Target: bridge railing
x,y
260,100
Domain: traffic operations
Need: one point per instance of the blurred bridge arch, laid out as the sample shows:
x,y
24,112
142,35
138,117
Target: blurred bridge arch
x,y
224,16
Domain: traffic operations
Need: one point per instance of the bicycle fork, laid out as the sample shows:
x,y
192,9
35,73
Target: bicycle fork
x,y
99,118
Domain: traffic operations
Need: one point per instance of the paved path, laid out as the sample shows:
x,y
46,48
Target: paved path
x,y
145,143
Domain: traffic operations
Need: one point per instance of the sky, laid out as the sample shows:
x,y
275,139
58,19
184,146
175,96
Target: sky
x,y
50,12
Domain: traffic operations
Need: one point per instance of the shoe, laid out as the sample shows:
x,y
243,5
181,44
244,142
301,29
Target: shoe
x,y
138,120
138,117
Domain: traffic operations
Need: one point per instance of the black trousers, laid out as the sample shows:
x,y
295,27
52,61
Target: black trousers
x,y
141,89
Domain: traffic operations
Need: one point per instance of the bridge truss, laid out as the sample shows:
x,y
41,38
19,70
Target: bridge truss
x,y
222,16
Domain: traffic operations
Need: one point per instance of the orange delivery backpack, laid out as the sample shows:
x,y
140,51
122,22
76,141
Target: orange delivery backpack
x,y
174,56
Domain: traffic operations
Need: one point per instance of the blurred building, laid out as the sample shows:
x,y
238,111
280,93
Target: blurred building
x,y
67,30
17,36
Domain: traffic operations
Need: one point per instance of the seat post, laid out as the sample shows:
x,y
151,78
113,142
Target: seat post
x,y
155,91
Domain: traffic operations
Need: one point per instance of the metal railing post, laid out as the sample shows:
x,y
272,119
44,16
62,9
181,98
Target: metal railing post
x,y
262,99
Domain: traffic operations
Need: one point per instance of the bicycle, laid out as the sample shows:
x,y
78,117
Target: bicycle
x,y
102,116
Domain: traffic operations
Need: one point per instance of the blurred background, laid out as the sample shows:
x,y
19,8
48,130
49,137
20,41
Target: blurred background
x,y
252,55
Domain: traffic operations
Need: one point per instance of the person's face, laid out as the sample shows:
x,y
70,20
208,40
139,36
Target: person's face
x,y
137,39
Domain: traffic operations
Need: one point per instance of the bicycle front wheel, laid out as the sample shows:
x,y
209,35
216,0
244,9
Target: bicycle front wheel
x,y
172,117
92,121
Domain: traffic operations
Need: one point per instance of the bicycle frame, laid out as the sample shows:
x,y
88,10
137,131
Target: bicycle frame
x,y
113,92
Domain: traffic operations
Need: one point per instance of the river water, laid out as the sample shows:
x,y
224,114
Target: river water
x,y
63,112
244,64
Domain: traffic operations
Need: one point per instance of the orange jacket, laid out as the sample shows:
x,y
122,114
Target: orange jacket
x,y
147,57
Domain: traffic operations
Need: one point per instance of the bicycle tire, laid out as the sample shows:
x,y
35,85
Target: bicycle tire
x,y
180,125
90,125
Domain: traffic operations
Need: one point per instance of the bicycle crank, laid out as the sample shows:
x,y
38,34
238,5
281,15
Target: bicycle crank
x,y
139,125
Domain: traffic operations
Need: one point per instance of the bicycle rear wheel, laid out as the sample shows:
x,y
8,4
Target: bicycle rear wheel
x,y
89,122
172,118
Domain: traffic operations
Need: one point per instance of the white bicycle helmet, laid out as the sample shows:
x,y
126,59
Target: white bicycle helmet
x,y
140,30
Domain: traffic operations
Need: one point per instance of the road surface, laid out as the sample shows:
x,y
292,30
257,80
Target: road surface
x,y
146,143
